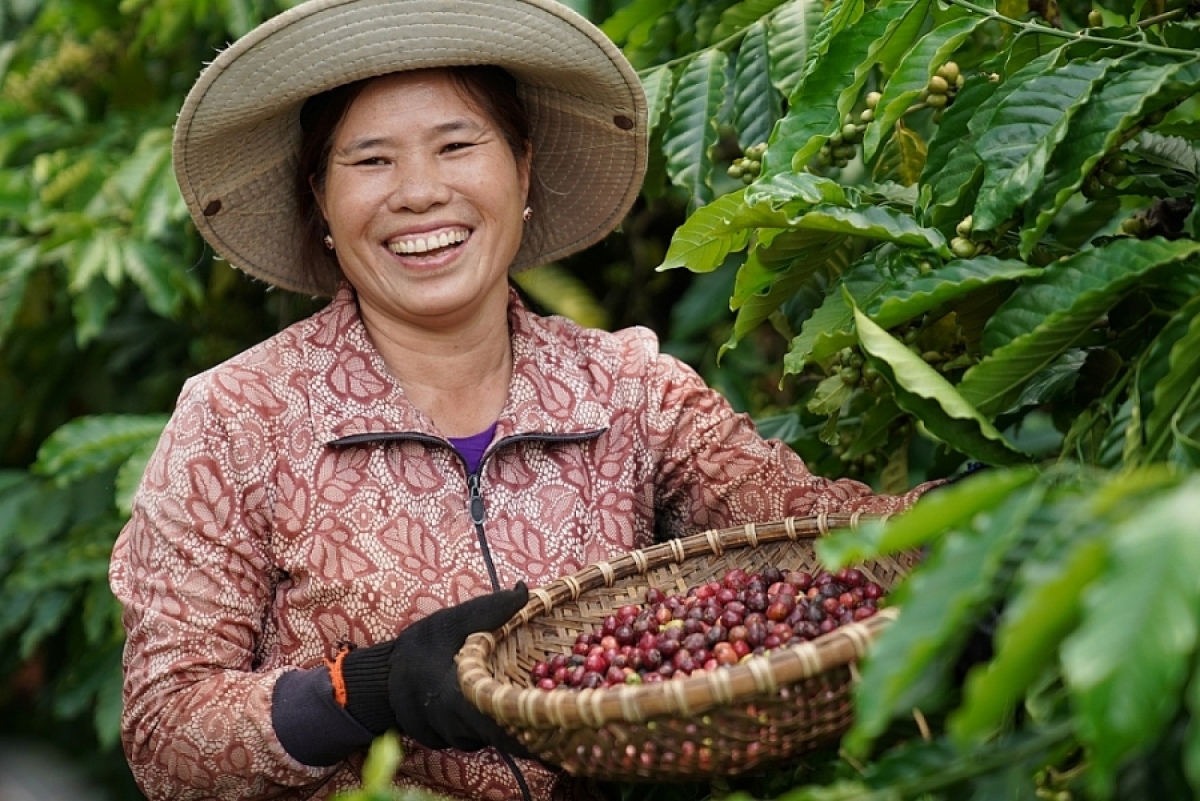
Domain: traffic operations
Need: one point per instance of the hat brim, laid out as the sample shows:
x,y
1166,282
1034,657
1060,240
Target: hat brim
x,y
238,133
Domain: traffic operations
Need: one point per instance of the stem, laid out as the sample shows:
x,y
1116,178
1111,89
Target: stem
x,y
1166,17
1061,34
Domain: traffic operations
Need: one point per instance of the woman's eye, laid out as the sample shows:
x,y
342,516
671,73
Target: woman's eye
x,y
371,161
453,146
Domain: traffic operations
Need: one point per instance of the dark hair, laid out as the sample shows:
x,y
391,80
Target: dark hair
x,y
492,90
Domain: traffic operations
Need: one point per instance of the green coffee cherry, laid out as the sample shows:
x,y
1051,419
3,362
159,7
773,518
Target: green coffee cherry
x,y
873,99
938,85
963,248
948,72
964,226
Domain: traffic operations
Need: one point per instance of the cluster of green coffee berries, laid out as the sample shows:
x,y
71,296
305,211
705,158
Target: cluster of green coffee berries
x,y
749,166
842,146
849,365
961,245
943,86
1106,175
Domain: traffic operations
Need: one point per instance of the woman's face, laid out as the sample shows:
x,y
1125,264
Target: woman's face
x,y
423,198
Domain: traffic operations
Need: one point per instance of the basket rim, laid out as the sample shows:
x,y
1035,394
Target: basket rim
x,y
531,707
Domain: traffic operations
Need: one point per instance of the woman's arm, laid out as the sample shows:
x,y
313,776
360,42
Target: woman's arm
x,y
715,470
193,574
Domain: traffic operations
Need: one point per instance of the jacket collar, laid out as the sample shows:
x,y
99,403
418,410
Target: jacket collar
x,y
353,395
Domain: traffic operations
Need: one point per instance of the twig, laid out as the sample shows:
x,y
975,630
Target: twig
x,y
1061,34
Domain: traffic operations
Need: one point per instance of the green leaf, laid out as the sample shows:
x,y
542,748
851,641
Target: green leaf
x,y
789,35
783,253
816,107
912,75
1026,127
559,291
692,131
710,234
1174,394
657,84
808,253
743,15
924,393
18,261
873,222
829,328
1127,662
49,610
88,445
1050,313
129,476
953,280
1119,103
837,16
756,103
1038,618
936,512
940,601
156,273
901,34
382,760
795,192
620,25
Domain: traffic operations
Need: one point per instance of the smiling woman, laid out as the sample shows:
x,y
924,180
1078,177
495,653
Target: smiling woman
x,y
329,514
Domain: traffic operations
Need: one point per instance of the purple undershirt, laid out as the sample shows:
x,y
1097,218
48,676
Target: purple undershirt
x,y
471,448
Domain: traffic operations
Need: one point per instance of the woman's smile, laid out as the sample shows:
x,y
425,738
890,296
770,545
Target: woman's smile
x,y
431,243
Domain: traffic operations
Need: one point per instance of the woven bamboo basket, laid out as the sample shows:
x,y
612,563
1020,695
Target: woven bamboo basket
x,y
729,721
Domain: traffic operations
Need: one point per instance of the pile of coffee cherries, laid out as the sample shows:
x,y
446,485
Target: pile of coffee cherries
x,y
710,626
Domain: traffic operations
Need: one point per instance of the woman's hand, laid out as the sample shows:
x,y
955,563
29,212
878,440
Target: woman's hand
x,y
411,682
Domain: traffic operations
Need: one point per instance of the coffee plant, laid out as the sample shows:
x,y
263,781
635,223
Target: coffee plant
x,y
902,234
971,229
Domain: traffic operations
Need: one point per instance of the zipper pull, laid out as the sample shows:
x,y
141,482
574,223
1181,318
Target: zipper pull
x,y
478,513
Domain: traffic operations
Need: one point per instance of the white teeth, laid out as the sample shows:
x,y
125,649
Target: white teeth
x,y
424,245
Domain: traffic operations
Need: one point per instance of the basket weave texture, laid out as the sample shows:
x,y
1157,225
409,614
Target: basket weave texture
x,y
728,721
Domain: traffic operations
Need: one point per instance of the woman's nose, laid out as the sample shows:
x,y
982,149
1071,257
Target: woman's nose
x,y
419,186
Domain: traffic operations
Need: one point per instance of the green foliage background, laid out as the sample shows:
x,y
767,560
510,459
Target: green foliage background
x,y
893,265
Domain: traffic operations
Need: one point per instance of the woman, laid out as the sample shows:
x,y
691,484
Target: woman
x,y
329,514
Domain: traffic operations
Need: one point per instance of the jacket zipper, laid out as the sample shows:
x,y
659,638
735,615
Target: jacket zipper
x,y
478,515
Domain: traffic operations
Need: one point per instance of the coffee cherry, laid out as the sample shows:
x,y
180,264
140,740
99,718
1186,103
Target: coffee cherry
x,y
963,248
948,72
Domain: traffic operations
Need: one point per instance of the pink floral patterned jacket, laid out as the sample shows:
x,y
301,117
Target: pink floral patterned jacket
x,y
297,500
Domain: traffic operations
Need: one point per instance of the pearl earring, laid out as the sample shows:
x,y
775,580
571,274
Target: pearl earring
x,y
328,240
527,215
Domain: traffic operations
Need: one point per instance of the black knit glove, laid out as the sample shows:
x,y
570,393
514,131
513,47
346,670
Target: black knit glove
x,y
411,682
